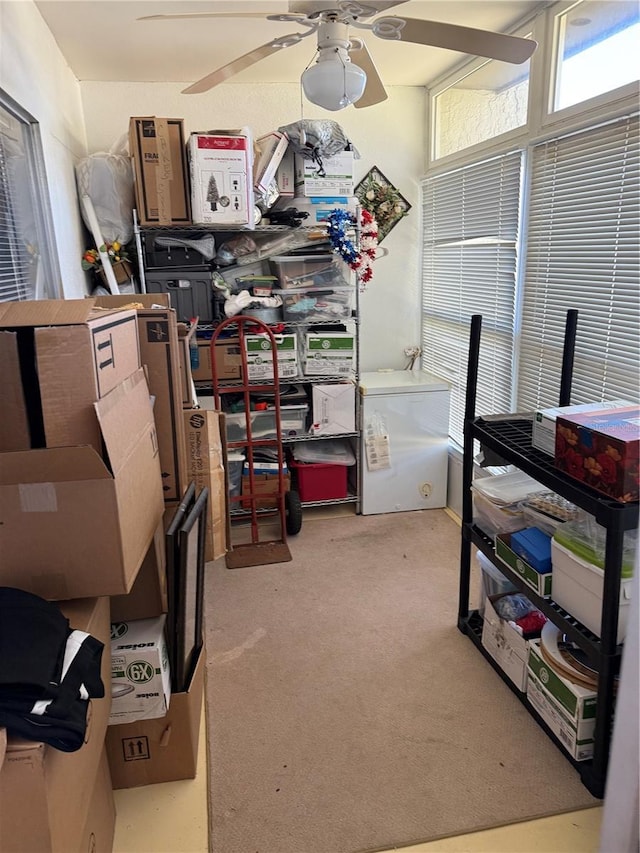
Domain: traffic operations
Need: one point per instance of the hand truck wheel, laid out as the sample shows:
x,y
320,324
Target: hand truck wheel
x,y
293,512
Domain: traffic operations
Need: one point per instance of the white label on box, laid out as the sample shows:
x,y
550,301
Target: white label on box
x,y
38,497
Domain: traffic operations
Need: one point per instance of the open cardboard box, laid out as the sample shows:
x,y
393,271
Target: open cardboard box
x,y
160,750
61,356
47,796
75,525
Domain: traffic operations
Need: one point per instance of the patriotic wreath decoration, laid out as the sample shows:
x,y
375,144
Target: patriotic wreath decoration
x,y
361,260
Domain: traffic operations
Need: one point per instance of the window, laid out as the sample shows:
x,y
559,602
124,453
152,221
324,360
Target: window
x,y
486,102
470,222
597,49
28,267
582,252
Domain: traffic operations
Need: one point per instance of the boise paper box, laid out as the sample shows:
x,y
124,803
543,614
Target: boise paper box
x,y
601,450
335,178
260,356
334,408
47,795
221,181
205,467
75,524
161,750
160,355
328,353
506,646
140,678
567,708
160,175
70,356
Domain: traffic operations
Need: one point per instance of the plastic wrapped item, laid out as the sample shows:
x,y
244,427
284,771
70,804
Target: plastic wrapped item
x,y
509,488
332,451
585,538
107,178
492,518
492,582
553,505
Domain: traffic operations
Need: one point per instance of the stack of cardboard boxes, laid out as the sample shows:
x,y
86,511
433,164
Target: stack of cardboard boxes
x,y
93,462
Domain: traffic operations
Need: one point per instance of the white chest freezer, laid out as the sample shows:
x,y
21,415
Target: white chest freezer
x,y
404,428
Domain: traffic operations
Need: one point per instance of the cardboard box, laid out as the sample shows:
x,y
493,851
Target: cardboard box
x,y
14,423
46,795
328,353
140,677
160,174
186,376
221,165
73,524
205,467
263,484
260,357
100,825
286,176
271,148
539,581
337,179
160,750
578,587
228,358
505,645
160,354
148,595
543,436
534,546
567,708
203,372
601,450
78,355
334,408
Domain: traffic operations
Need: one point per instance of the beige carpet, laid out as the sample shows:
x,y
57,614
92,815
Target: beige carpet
x,y
346,711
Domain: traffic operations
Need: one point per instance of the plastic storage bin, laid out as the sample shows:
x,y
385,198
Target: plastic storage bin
x,y
316,305
492,582
190,291
317,481
263,423
320,271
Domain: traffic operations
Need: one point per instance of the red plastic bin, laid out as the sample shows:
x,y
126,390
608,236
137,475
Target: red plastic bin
x,y
318,481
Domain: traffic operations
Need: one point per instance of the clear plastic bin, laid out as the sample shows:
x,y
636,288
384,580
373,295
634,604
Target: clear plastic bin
x,y
263,423
315,305
492,581
493,519
319,271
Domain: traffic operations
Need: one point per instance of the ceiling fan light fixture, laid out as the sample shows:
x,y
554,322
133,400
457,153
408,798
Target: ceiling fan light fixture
x,y
334,82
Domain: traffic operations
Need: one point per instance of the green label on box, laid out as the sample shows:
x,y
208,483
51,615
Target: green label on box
x,y
584,707
329,344
540,582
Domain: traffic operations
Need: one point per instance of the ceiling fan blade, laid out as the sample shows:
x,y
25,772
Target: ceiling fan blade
x,y
453,37
364,9
374,92
197,15
236,66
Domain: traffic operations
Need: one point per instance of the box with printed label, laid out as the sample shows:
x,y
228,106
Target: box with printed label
x,y
271,147
543,435
160,176
540,581
329,353
221,165
334,409
333,178
140,678
506,646
567,708
71,354
260,358
601,450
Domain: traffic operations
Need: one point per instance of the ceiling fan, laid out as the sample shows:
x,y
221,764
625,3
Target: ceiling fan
x,y
344,72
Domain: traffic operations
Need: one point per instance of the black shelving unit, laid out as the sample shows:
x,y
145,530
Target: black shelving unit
x,y
509,436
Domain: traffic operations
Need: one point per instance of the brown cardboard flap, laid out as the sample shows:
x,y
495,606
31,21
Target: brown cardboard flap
x,y
3,745
46,312
124,414
52,465
14,423
147,300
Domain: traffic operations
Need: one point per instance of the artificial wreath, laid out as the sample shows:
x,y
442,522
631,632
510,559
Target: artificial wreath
x,y
359,260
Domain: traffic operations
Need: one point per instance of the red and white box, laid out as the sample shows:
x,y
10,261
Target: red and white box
x,y
221,166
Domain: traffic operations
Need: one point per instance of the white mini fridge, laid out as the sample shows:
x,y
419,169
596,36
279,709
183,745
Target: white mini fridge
x,y
404,441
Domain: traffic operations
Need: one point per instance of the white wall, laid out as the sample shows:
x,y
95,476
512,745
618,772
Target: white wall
x,y
390,135
34,73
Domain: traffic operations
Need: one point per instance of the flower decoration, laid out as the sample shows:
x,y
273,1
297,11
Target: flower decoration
x,y
382,200
338,222
91,259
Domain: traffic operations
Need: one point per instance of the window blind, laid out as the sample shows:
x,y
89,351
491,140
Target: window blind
x,y
14,267
470,226
582,253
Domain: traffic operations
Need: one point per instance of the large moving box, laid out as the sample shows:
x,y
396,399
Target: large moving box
x,y
159,353
49,797
70,355
160,750
75,524
148,595
161,181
